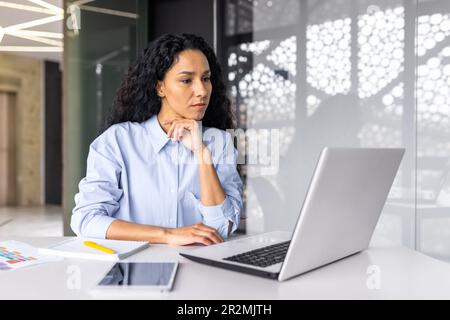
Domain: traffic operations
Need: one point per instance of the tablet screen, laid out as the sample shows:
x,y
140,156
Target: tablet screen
x,y
140,274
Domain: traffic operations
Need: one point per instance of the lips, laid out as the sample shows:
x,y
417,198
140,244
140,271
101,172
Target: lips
x,y
202,105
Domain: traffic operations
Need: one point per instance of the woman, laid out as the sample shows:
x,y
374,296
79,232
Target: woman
x,y
141,182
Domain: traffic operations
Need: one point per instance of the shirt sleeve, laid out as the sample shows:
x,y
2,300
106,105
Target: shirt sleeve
x,y
99,192
229,211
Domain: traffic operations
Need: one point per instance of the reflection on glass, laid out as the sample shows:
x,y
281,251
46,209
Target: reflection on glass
x,y
381,48
273,13
361,73
333,77
433,130
328,56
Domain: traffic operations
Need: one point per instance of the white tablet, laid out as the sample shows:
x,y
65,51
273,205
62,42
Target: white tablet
x,y
138,277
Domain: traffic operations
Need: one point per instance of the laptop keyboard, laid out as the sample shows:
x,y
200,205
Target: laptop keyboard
x,y
263,257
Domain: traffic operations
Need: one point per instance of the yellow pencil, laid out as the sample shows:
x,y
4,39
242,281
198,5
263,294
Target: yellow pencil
x,y
98,247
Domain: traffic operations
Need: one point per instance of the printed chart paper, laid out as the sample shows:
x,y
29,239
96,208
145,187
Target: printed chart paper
x,y
15,255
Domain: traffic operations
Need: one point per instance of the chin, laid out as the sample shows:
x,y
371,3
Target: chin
x,y
198,116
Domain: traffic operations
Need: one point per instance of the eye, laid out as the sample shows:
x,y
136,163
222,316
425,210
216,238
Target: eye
x,y
207,78
185,80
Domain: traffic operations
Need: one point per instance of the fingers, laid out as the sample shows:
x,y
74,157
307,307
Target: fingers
x,y
208,235
197,233
181,132
187,235
185,123
177,132
209,232
171,120
203,240
204,226
173,124
171,129
174,131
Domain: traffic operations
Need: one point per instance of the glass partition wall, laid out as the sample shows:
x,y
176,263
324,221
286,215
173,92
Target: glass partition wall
x,y
433,128
348,73
102,38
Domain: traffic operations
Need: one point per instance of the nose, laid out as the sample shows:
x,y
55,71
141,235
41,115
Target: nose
x,y
200,89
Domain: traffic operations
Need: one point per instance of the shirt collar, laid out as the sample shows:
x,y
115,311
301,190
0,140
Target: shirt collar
x,y
158,137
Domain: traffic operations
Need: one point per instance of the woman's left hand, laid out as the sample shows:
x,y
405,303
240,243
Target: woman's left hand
x,y
187,131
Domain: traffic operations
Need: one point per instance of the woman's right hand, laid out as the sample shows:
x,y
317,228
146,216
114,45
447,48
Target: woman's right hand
x,y
197,233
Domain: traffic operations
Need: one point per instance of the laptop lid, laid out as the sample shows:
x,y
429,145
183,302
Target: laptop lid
x,y
342,206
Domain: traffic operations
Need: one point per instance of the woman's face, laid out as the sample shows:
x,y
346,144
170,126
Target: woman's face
x,y
186,85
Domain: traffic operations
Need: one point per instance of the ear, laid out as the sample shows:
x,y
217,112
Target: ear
x,y
159,89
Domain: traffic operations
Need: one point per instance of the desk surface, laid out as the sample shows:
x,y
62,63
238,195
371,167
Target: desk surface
x,y
403,274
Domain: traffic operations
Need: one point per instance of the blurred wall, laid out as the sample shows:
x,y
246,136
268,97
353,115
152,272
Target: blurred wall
x,y
23,76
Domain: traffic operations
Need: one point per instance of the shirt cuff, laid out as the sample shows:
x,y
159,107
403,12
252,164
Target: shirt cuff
x,y
217,212
97,226
218,216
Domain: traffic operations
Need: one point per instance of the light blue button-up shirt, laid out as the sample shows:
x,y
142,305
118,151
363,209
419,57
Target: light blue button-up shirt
x,y
137,174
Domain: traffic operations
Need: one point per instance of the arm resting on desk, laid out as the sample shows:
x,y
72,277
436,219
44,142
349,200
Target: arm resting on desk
x,y
198,233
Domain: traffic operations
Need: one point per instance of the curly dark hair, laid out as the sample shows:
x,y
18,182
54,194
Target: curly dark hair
x,y
137,100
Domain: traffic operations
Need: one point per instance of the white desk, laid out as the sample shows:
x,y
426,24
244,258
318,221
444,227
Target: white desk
x,y
404,274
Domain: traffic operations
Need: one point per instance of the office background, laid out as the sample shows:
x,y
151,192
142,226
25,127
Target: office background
x,y
354,73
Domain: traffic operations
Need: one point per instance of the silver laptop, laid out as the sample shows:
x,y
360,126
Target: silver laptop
x,y
345,198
